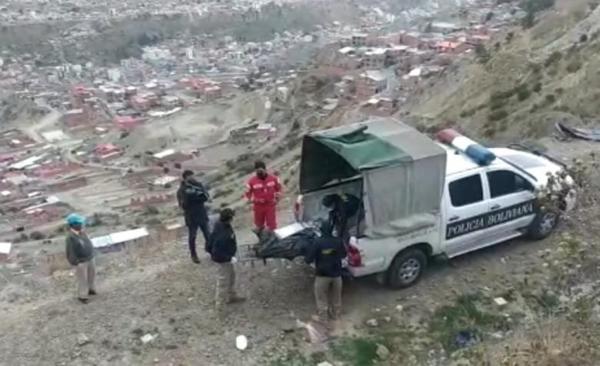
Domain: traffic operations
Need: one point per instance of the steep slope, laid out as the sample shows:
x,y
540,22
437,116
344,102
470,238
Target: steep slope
x,y
532,79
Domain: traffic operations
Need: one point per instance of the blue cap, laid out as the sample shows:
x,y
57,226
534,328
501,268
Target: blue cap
x,y
75,219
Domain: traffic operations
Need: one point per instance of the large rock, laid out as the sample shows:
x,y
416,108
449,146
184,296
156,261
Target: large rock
x,y
372,323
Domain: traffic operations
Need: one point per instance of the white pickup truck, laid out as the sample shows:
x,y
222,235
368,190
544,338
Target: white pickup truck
x,y
423,198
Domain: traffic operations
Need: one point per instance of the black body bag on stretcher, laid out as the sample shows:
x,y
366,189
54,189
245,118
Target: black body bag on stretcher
x,y
296,245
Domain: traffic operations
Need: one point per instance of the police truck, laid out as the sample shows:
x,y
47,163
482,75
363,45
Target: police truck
x,y
423,197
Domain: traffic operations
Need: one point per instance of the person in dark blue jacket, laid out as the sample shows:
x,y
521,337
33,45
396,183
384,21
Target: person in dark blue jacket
x,y
327,254
223,247
192,197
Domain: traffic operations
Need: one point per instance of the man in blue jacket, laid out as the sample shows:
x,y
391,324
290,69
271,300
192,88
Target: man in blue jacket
x,y
327,254
192,196
80,253
223,247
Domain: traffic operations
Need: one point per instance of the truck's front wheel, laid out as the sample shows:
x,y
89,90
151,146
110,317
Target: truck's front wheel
x,y
407,268
543,225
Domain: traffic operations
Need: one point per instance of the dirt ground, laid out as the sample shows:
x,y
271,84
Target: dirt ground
x,y
159,291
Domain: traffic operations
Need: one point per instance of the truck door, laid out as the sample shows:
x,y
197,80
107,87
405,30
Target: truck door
x,y
511,203
465,211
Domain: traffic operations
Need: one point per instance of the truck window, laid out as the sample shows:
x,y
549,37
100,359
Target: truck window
x,y
466,191
503,182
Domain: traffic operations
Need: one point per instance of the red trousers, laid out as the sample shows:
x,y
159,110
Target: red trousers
x,y
265,215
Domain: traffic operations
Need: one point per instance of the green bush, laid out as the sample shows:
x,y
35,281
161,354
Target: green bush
x,y
497,104
554,57
503,95
535,68
550,98
498,115
535,6
537,87
529,20
483,56
36,235
524,95
522,92
574,66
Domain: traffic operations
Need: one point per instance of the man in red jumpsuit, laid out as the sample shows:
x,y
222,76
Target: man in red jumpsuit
x,y
263,191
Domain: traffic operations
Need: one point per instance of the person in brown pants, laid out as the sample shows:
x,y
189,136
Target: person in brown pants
x,y
80,253
327,254
222,247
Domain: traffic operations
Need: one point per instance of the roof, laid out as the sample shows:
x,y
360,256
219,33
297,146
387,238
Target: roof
x,y
27,162
376,52
54,135
164,153
119,237
164,180
375,75
346,50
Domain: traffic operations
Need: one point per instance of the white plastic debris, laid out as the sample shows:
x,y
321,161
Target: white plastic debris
x,y
241,342
500,301
147,338
372,323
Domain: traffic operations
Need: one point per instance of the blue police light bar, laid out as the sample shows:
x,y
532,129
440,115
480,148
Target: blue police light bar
x,y
478,153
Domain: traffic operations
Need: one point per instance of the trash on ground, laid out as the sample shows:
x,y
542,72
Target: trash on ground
x,y
147,338
580,133
500,301
465,339
241,342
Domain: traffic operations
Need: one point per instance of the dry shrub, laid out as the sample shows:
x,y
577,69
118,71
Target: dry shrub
x,y
554,342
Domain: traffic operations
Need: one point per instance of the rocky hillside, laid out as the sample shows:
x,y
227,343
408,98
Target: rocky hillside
x,y
526,79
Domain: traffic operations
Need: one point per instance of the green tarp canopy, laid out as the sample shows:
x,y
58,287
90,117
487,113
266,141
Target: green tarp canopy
x,y
401,171
342,153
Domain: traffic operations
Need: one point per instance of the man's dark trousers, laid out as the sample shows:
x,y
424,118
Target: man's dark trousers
x,y
198,220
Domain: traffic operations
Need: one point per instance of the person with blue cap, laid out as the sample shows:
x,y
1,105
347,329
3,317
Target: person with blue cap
x,y
80,253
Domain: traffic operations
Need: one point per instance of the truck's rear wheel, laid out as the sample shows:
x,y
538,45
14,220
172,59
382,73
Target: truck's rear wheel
x,y
407,268
543,225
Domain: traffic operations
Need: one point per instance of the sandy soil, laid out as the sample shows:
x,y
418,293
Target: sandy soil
x,y
159,291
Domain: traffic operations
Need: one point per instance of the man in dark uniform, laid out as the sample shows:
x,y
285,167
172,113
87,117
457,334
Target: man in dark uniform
x,y
327,254
192,196
342,208
223,247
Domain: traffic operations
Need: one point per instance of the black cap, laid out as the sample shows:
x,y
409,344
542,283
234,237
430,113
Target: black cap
x,y
187,173
259,164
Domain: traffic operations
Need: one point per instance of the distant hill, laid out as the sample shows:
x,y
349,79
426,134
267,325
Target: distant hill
x,y
526,79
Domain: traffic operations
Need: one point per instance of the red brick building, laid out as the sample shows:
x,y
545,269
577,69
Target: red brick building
x,y
107,151
127,122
